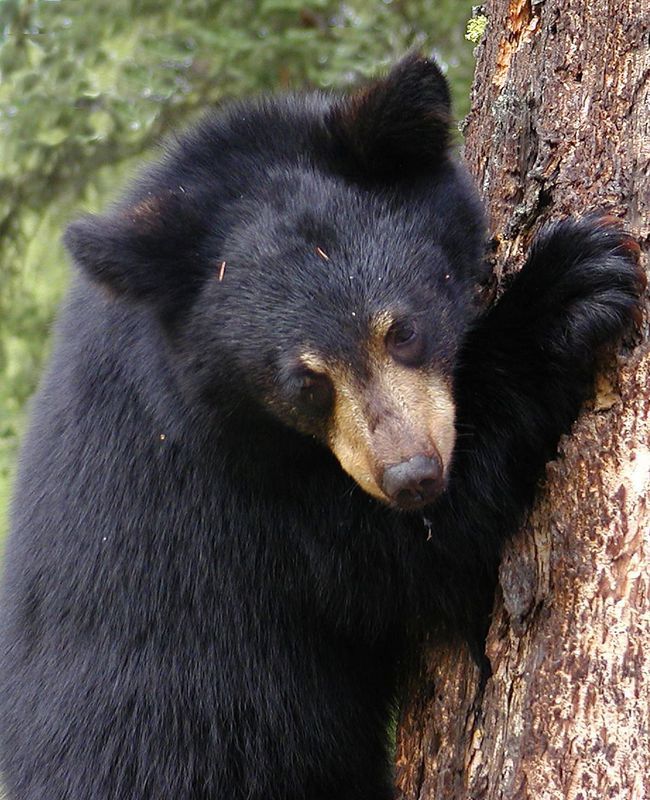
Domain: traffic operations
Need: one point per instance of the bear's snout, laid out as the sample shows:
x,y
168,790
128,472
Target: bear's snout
x,y
414,483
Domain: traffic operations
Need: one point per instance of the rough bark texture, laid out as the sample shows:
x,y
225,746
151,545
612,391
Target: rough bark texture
x,y
560,125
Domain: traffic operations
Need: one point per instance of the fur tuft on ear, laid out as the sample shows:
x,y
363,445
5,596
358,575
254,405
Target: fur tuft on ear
x,y
399,123
144,250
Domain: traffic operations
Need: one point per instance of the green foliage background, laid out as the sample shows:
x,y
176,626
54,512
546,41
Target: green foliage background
x,y
88,87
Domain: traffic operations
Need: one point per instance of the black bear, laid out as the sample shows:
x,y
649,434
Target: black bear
x,y
277,443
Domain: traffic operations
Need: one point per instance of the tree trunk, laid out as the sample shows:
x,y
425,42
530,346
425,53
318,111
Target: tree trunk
x,y
560,125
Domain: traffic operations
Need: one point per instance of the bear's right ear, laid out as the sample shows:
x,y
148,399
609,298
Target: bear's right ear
x,y
400,123
145,250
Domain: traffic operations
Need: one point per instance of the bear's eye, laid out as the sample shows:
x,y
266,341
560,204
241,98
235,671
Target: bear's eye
x,y
316,390
405,343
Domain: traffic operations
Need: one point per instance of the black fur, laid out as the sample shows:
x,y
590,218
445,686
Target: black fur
x,y
198,602
399,125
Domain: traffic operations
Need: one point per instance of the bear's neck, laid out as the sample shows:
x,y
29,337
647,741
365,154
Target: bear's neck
x,y
274,453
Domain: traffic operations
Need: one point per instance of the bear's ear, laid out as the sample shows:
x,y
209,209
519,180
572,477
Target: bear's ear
x,y
144,250
401,122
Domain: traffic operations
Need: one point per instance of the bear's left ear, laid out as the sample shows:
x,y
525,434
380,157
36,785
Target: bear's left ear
x,y
399,123
144,250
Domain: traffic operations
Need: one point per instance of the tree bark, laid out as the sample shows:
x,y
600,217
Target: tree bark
x,y
560,125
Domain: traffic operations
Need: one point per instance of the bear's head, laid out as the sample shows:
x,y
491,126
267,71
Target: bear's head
x,y
317,256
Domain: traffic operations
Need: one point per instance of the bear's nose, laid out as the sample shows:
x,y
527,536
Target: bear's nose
x,y
414,483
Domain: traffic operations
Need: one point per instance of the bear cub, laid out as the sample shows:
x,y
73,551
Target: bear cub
x,y
278,444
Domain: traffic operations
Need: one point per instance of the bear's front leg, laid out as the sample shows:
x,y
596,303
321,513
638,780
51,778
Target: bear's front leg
x,y
578,290
530,363
526,368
